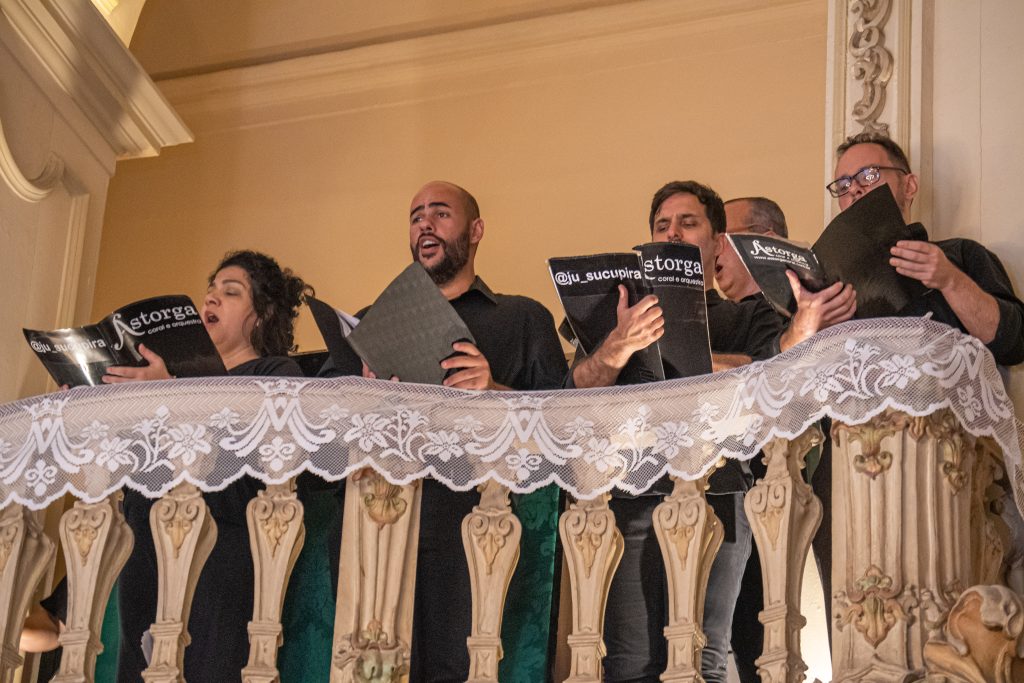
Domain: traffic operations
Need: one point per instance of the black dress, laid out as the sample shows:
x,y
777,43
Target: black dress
x,y
223,601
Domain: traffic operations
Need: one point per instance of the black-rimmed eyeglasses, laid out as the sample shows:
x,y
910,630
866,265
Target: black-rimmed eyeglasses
x,y
865,177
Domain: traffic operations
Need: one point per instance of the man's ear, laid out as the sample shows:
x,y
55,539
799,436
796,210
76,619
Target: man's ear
x,y
476,231
910,186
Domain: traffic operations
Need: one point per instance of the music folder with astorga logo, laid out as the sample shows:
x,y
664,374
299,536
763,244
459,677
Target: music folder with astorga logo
x,y
588,289
169,326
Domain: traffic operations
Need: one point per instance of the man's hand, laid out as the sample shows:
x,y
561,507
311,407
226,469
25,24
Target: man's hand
x,y
720,362
637,327
924,261
370,374
474,372
156,369
817,310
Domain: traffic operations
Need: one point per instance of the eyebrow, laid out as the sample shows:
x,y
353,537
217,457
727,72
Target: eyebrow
x,y
420,207
229,282
665,217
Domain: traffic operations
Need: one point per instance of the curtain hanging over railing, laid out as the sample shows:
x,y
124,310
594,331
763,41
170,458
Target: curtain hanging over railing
x,y
150,436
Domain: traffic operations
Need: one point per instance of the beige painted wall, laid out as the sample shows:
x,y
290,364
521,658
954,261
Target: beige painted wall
x,y
978,157
562,126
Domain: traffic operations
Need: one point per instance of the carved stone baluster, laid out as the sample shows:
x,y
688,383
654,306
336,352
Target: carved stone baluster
x,y
490,535
25,555
373,621
276,535
97,543
784,515
184,533
593,547
689,535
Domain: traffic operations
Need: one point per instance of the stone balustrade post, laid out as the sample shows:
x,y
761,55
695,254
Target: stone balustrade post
x,y
276,535
97,543
377,581
491,536
184,534
25,555
689,535
593,547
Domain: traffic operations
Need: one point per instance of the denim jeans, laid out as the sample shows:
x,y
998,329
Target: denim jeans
x,y
724,585
637,612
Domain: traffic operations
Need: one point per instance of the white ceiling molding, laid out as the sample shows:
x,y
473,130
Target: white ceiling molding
x,y
314,85
30,190
75,47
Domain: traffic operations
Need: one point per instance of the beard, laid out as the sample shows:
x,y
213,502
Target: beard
x,y
454,257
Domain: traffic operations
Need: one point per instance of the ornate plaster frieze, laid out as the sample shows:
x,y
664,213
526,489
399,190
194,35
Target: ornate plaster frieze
x,y
871,62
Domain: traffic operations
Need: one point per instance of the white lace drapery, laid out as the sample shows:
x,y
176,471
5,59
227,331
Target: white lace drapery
x,y
150,436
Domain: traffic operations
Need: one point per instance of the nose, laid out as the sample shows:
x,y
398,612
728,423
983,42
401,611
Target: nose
x,y
209,299
856,191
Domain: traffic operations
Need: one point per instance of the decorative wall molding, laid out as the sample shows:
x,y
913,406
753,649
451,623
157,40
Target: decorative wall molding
x,y
875,80
73,46
325,84
34,189
872,62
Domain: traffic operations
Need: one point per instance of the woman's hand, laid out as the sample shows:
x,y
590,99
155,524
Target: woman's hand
x,y
156,369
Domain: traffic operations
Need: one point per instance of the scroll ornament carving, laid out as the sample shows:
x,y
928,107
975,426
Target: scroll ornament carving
x,y
874,605
382,499
84,524
872,62
177,517
768,503
981,642
587,529
275,514
490,533
944,427
680,523
872,460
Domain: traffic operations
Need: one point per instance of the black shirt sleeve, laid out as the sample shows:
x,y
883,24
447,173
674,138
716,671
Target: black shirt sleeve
x,y
545,366
984,267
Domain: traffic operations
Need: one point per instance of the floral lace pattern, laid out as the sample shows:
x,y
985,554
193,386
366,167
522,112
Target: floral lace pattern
x,y
210,431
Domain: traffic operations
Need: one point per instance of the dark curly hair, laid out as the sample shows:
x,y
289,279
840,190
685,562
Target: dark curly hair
x,y
714,209
276,296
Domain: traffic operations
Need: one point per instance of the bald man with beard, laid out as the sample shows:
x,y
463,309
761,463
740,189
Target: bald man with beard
x,y
516,348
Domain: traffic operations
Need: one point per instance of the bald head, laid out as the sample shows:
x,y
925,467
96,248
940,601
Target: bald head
x,y
467,202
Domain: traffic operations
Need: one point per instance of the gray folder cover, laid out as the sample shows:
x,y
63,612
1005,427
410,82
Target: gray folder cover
x,y
409,330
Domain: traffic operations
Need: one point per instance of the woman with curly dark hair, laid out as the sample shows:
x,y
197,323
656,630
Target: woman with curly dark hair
x,y
249,312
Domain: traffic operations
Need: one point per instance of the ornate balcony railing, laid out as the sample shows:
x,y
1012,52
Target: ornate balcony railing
x,y
922,429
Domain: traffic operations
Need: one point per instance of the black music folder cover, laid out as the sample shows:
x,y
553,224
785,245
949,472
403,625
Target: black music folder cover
x,y
853,248
169,326
588,289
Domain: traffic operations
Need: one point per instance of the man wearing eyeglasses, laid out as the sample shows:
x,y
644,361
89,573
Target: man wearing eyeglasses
x,y
969,288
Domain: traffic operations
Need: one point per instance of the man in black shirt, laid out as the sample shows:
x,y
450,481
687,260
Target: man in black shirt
x,y
517,348
969,288
762,216
739,331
